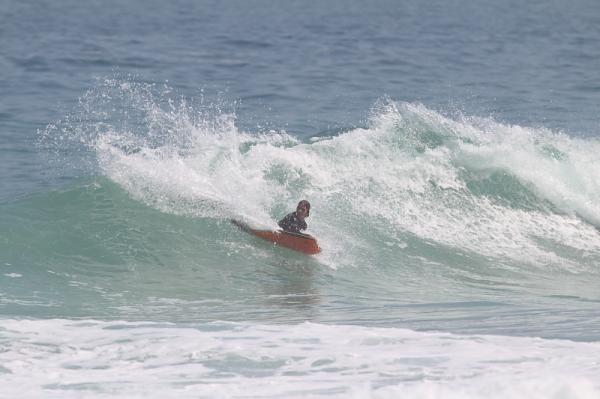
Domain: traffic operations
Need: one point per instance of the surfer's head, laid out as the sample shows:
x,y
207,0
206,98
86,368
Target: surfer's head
x,y
303,209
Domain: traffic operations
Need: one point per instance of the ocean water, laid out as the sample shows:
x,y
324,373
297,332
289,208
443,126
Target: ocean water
x,y
450,151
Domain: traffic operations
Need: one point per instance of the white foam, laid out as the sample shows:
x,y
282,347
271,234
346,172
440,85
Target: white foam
x,y
407,173
93,359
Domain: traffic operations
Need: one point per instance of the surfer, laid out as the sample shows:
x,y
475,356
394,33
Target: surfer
x,y
294,222
290,237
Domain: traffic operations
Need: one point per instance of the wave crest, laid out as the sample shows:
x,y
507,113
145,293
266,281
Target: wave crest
x,y
473,185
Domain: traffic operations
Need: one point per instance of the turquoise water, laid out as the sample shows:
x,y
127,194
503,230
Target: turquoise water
x,y
449,153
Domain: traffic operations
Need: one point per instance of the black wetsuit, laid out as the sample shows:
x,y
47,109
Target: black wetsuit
x,y
292,224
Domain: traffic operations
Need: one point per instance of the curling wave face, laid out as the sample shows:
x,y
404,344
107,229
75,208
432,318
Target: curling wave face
x,y
479,187
413,208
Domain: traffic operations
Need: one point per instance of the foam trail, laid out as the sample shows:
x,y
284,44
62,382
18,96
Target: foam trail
x,y
151,360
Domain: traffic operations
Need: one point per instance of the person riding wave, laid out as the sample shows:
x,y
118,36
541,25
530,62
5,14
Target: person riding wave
x,y
294,222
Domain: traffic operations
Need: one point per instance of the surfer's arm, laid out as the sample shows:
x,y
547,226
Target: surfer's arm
x,y
284,222
302,225
289,223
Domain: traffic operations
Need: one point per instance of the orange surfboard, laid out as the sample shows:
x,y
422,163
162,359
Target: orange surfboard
x,y
297,241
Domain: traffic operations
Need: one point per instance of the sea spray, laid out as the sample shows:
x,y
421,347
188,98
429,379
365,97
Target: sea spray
x,y
472,185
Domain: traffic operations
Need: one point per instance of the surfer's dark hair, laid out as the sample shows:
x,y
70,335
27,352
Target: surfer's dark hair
x,y
304,204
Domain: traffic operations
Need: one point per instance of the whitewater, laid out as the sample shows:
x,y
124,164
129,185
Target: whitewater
x,y
448,243
450,151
